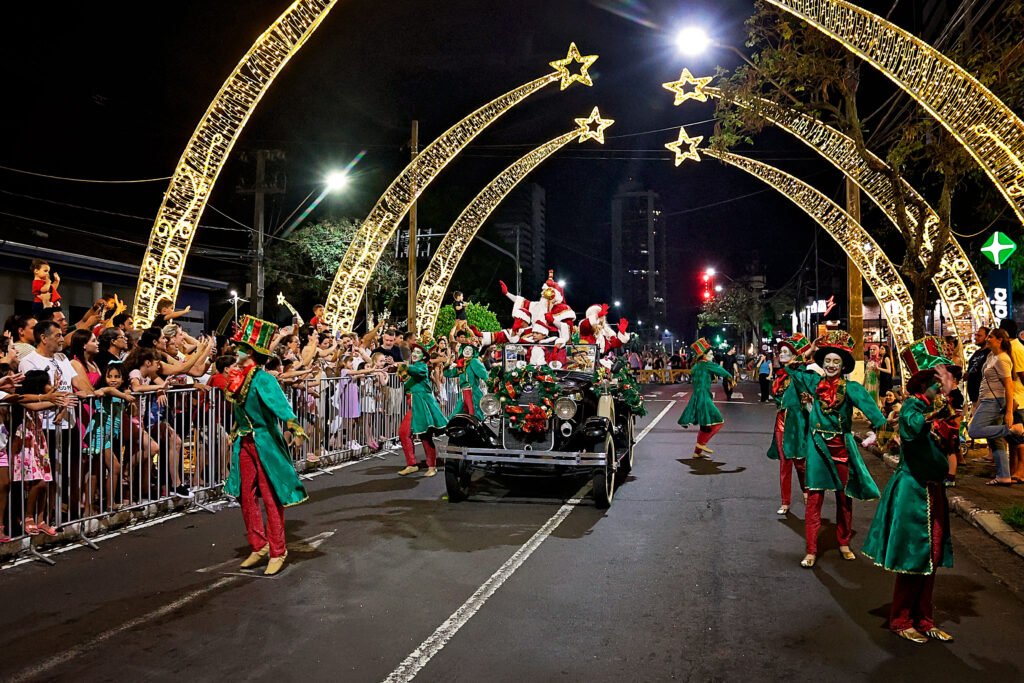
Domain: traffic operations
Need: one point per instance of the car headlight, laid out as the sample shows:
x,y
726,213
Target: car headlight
x,y
565,408
490,405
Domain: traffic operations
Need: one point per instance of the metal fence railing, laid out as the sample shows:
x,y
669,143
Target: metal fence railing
x,y
66,474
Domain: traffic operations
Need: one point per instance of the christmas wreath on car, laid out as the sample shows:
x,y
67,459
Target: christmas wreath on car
x,y
533,417
626,390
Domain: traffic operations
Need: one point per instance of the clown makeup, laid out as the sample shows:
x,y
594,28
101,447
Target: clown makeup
x,y
416,355
467,351
833,365
785,355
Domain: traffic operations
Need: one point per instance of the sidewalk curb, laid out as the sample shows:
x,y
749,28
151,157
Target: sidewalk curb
x,y
988,521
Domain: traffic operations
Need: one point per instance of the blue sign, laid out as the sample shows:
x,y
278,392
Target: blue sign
x,y
1000,293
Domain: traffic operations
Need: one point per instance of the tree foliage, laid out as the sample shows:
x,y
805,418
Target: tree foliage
x,y
479,316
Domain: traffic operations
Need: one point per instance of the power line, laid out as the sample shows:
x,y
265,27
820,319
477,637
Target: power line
x,y
84,180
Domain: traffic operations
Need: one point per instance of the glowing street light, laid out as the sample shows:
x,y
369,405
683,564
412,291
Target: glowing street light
x,y
561,283
617,304
693,40
710,272
718,288
337,180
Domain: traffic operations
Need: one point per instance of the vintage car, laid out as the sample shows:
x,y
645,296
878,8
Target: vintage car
x,y
559,414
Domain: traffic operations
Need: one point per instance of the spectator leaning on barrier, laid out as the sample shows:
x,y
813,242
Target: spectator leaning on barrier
x,y
113,345
22,328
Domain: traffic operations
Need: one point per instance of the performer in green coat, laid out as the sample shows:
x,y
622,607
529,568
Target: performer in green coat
x,y
259,459
471,372
910,533
833,459
793,378
701,410
423,415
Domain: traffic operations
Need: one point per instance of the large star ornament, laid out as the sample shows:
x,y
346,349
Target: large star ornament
x,y
687,78
574,56
593,127
690,143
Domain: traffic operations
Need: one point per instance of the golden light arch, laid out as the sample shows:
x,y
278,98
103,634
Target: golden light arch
x,y
987,128
956,282
878,271
438,274
208,149
380,225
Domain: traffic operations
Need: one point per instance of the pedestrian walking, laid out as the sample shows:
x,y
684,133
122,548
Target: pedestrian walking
x,y
764,371
701,410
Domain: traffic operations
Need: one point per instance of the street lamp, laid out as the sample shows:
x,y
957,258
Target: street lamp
x,y
693,40
337,181
334,182
617,304
234,300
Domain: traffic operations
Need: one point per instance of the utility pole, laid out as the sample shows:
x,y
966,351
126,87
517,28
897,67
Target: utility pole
x,y
855,288
415,149
259,189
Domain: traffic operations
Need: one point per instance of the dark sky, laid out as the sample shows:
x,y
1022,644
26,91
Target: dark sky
x,y
114,90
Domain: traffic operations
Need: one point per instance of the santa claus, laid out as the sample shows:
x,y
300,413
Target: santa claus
x,y
548,320
596,330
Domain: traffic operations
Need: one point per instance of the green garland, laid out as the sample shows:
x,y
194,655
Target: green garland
x,y
626,390
508,388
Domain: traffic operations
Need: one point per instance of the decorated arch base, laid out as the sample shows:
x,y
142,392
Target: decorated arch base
x,y
208,149
878,271
446,259
379,227
979,120
957,283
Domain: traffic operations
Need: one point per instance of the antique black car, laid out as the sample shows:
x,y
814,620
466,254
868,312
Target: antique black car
x,y
548,410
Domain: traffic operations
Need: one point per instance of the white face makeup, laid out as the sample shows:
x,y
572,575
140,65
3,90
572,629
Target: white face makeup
x,y
467,352
833,364
710,355
785,355
416,355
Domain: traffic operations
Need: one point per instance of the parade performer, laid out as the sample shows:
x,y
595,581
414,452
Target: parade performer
x,y
259,460
701,408
910,533
471,372
423,415
833,459
547,320
594,329
790,422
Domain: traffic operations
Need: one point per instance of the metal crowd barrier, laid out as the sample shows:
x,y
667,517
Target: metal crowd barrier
x,y
111,463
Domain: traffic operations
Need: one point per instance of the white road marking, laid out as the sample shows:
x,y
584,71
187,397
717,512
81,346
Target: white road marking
x,y
419,657
679,394
737,394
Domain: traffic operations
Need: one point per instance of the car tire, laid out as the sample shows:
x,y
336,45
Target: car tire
x,y
604,477
626,464
456,480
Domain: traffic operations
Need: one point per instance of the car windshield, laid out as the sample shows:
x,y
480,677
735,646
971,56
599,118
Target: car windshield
x,y
572,357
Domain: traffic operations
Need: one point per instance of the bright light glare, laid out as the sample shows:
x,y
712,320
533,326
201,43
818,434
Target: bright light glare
x,y
718,288
234,293
710,271
561,283
618,303
337,180
692,40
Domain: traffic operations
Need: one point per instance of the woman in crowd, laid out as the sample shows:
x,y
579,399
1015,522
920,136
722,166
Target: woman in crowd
x,y
701,410
871,375
993,413
885,369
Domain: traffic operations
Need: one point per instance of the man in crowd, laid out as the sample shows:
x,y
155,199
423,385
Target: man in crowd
x,y
976,363
388,345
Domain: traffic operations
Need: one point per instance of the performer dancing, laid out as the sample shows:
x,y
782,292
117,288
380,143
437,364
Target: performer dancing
x,y
833,459
259,459
910,533
701,410
790,423
471,372
422,414
595,329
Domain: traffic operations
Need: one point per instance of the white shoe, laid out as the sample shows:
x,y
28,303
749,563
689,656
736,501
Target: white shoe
x,y
783,509
355,445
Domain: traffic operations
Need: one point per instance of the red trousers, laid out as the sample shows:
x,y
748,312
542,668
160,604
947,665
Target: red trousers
x,y
705,434
409,447
912,594
786,465
467,401
844,504
253,479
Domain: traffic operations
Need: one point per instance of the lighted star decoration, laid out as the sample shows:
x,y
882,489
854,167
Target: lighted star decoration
x,y
679,87
688,142
280,299
592,128
574,56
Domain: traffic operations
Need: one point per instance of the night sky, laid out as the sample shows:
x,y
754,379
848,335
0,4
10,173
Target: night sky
x,y
114,90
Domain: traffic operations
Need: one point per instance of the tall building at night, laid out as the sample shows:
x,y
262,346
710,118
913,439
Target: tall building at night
x,y
522,213
639,270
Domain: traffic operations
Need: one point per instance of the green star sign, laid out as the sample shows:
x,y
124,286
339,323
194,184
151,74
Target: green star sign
x,y
998,248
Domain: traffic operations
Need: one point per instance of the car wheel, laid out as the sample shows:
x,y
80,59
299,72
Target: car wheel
x,y
604,477
456,480
626,464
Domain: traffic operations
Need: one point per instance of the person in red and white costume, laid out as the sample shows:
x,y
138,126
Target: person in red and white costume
x,y
549,319
594,329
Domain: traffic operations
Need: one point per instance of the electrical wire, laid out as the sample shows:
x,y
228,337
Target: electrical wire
x,y
84,180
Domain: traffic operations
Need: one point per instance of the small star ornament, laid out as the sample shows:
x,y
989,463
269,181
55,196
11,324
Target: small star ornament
x,y
593,127
679,87
280,299
574,56
688,142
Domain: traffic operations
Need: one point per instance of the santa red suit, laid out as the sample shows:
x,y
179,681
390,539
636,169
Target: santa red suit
x,y
594,329
549,320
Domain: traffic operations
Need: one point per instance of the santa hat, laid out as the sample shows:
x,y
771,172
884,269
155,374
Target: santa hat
x,y
596,312
555,287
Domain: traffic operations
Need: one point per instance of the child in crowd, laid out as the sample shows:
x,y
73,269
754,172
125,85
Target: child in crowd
x,y
44,287
30,457
145,378
461,319
103,436
165,313
372,399
947,429
318,315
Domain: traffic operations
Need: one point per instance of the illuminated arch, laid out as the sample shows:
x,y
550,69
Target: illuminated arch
x,y
377,230
438,274
956,282
987,128
208,149
878,271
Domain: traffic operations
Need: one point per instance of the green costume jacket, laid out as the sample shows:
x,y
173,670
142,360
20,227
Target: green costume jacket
x,y
900,537
426,414
826,422
259,406
470,375
701,408
798,379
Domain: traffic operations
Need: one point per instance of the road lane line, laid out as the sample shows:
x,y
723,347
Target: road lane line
x,y
419,657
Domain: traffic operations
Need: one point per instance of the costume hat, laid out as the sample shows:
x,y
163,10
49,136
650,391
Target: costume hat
x,y
795,343
701,346
838,342
256,334
924,354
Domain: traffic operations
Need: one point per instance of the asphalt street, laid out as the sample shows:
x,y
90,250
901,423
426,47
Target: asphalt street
x,y
690,575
